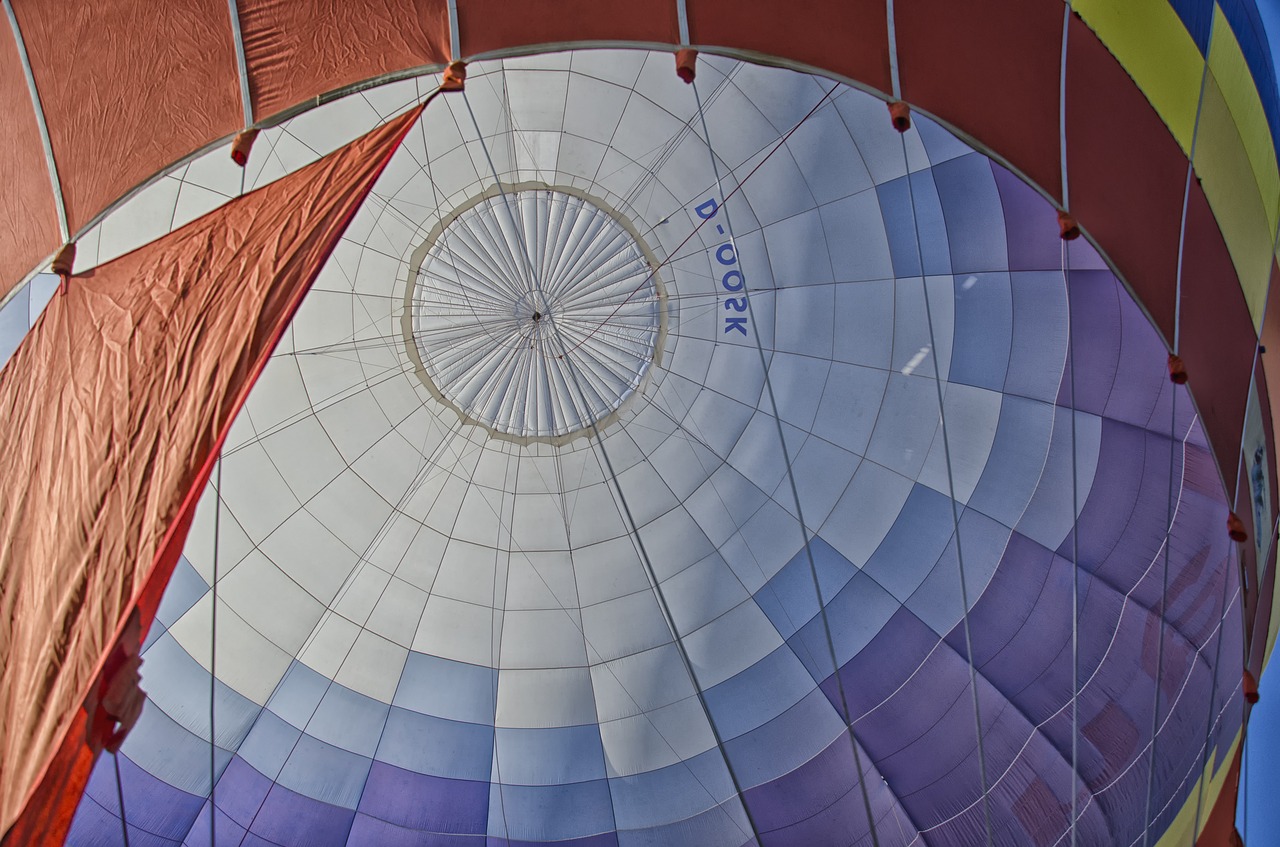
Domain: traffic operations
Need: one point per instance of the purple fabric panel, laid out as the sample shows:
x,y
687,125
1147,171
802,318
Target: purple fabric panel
x,y
884,664
241,790
423,802
151,804
1143,369
95,826
1031,224
228,832
809,789
293,820
604,839
723,824
1096,331
371,830
1121,526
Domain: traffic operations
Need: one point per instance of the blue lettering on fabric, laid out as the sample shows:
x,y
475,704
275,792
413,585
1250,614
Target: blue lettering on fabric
x,y
731,278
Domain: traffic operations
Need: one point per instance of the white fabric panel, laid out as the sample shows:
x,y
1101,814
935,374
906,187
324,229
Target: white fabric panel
x,y
396,614
545,698
731,643
662,737
373,668
624,626
822,471
304,456
543,638
360,593
541,581
702,592
278,607
772,537
455,630
310,555
248,663
907,424
866,511
972,417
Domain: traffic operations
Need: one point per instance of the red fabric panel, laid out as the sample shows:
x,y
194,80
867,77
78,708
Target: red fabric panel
x,y
990,68
488,25
1220,825
846,37
28,218
128,88
296,51
1217,337
118,402
1126,175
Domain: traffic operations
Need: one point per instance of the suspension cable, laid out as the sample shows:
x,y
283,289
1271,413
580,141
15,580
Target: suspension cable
x,y
955,512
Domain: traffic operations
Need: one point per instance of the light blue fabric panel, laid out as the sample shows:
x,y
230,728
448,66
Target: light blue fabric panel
x,y
436,746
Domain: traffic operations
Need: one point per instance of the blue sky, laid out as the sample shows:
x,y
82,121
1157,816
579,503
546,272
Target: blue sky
x,y
1258,811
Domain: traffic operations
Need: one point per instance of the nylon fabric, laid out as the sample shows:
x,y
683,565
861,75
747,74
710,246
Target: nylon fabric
x,y
28,221
296,51
125,86
118,400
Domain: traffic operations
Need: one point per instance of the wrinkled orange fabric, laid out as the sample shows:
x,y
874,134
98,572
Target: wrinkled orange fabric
x,y
114,409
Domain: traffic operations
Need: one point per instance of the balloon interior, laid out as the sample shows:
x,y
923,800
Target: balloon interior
x,y
687,453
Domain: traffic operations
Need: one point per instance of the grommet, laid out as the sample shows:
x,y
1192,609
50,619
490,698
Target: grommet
x,y
65,260
900,114
686,63
1235,528
242,145
455,77
1068,229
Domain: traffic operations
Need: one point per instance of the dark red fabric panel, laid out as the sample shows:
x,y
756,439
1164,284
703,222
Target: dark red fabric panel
x,y
488,25
992,69
128,88
1218,338
846,37
296,51
1126,174
1220,823
118,402
28,218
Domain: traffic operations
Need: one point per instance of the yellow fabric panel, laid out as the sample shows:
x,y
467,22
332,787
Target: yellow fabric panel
x,y
1228,67
1232,190
1179,832
1153,46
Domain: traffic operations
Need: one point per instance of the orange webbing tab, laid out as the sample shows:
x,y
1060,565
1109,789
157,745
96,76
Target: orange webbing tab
x,y
686,63
65,260
1068,229
455,77
1177,370
1235,528
1250,686
242,145
115,702
900,114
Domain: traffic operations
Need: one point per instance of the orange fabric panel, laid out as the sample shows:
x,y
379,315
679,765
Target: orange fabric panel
x,y
116,405
1126,176
846,37
128,89
296,51
954,60
28,218
487,25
